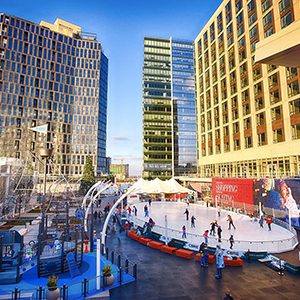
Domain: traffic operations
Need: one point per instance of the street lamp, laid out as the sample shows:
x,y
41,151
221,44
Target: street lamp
x,y
45,153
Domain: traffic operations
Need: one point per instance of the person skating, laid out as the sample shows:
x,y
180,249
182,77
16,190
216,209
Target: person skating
x,y
135,210
219,232
231,241
230,222
146,211
261,221
213,225
183,232
219,211
187,214
149,201
269,222
193,221
205,235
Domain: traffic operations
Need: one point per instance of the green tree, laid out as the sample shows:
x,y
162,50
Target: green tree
x,y
88,175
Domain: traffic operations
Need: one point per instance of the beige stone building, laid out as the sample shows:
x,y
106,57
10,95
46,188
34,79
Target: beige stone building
x,y
248,112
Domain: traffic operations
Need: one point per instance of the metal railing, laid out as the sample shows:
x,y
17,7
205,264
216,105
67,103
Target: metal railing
x,y
87,286
193,240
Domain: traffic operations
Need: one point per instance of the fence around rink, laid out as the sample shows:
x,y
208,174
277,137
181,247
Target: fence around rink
x,y
193,240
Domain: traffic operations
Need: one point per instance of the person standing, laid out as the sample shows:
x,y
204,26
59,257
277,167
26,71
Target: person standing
x,y
219,232
269,222
187,214
149,201
231,241
183,232
205,235
204,256
219,262
230,222
135,210
193,221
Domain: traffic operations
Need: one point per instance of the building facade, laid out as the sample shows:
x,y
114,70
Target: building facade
x,y
169,117
248,114
120,171
52,74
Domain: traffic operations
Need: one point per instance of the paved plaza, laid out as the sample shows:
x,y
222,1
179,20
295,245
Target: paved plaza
x,y
165,277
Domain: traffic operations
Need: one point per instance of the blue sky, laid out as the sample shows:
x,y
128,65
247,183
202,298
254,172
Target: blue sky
x,y
121,26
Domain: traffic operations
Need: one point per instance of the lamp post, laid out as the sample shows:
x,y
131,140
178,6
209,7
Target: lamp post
x,y
45,153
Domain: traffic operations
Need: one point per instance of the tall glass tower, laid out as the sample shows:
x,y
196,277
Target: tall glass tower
x,y
169,117
52,74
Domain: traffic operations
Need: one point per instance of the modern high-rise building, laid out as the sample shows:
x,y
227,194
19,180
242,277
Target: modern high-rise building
x,y
53,74
248,113
169,116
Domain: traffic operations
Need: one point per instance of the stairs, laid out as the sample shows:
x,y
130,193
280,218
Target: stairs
x,y
73,268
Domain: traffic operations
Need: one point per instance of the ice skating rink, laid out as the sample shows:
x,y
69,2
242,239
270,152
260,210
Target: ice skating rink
x,y
247,235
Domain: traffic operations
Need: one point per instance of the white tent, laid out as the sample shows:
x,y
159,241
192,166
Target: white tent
x,y
158,186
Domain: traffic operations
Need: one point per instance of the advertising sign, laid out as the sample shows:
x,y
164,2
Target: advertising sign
x,y
280,194
227,191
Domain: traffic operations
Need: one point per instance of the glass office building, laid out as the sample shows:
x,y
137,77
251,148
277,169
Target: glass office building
x,y
52,74
183,108
169,137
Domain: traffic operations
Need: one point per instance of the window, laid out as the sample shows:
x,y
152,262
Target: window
x,y
253,32
235,127
269,32
236,144
239,18
247,123
294,107
291,73
293,88
260,119
295,131
251,6
248,142
286,19
274,97
238,6
266,5
259,103
276,113
261,139
278,135
252,19
268,19
284,5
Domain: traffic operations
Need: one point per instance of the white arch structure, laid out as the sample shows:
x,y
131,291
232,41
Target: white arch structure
x,y
142,186
93,199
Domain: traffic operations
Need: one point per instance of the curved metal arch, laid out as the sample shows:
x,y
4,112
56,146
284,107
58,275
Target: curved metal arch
x,y
94,198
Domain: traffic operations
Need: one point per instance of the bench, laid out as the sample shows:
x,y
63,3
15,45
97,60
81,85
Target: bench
x,y
187,254
144,241
168,249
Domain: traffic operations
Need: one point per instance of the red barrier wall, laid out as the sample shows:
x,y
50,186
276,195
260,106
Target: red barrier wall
x,y
226,190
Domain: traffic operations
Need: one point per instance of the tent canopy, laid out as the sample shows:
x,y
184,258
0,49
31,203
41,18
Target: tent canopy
x,y
158,186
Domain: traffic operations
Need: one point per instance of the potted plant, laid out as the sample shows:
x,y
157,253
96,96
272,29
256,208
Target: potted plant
x,y
108,278
53,291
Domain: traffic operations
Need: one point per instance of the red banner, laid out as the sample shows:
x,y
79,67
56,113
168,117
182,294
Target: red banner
x,y
227,191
